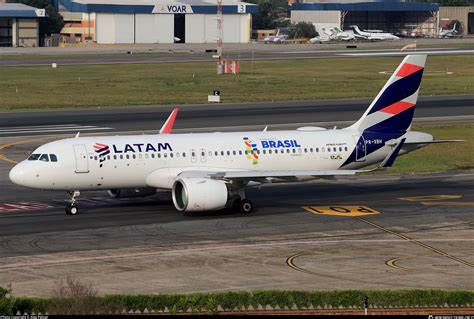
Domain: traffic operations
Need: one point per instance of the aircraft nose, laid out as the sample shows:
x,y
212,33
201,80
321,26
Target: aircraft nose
x,y
18,174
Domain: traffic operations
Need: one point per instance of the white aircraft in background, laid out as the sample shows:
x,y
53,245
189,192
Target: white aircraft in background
x,y
373,36
334,34
449,33
208,171
275,38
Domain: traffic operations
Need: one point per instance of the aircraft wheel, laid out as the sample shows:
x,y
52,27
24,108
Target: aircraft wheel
x,y
246,206
72,210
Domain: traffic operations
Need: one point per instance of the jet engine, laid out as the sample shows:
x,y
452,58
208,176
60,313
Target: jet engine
x,y
199,194
132,192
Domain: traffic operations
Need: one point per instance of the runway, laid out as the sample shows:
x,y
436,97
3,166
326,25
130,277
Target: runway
x,y
223,117
198,54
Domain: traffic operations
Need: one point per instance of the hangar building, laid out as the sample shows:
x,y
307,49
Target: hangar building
x,y
155,21
19,25
395,16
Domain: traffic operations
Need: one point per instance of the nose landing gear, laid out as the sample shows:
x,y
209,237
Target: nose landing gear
x,y
71,208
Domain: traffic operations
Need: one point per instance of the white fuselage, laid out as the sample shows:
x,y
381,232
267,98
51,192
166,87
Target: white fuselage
x,y
132,159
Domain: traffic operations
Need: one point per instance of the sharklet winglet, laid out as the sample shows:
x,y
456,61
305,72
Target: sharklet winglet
x,y
168,126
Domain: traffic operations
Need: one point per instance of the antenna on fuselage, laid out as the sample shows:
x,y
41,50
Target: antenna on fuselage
x,y
77,135
265,129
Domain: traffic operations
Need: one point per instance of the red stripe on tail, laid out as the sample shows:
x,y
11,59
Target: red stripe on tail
x,y
397,108
408,69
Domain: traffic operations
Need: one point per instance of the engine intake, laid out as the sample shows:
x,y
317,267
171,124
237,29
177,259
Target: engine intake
x,y
132,192
199,194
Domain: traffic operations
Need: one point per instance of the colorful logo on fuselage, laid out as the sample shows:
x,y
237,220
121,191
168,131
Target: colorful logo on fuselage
x,y
102,150
251,151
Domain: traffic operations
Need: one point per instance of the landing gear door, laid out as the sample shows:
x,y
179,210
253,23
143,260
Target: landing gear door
x,y
82,164
361,148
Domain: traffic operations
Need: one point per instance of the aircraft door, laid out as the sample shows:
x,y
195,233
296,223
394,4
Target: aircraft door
x,y
82,164
193,156
361,148
203,154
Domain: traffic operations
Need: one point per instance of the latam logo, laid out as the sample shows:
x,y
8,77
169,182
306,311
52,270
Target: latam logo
x,y
251,151
102,150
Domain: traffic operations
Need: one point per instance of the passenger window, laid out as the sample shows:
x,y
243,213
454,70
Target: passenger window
x,y
128,156
228,153
53,158
184,154
345,148
165,155
146,155
240,152
288,150
171,154
322,149
222,153
294,150
44,158
95,158
216,153
134,156
140,156
158,155
34,157
203,154
177,154
269,151
282,151
311,150
306,150
121,156
210,153
234,153
340,149
193,154
264,152
152,155
115,157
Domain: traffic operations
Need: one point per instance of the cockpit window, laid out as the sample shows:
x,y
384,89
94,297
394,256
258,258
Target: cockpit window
x,y
44,158
53,158
34,157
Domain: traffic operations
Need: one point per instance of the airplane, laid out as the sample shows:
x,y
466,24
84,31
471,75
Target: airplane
x,y
373,36
276,38
210,171
450,33
333,34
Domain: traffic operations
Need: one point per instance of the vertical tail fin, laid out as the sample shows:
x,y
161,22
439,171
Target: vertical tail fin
x,y
394,106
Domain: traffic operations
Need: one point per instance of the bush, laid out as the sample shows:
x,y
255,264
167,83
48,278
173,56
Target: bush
x,y
74,297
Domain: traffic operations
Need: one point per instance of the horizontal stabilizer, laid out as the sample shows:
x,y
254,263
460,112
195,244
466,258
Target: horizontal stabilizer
x,y
390,159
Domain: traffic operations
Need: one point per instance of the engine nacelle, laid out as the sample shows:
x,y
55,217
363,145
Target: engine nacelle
x,y
199,194
132,192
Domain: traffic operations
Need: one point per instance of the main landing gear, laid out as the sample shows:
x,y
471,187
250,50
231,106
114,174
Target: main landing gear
x,y
71,208
242,204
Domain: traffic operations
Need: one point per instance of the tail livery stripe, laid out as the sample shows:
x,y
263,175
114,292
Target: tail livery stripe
x,y
397,108
398,90
408,69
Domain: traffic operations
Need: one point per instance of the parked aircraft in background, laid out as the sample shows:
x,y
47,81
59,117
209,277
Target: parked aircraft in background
x,y
208,171
333,34
449,33
373,36
275,38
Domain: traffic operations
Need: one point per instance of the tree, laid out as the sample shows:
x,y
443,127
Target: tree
x,y
302,30
270,14
459,28
52,24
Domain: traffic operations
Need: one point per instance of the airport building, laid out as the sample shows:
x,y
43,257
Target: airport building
x,y
155,21
19,25
394,16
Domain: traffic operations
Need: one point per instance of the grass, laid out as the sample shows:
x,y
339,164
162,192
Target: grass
x,y
439,157
209,302
188,83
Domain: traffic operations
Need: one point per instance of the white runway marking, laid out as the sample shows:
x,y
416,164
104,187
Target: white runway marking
x,y
15,130
432,52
